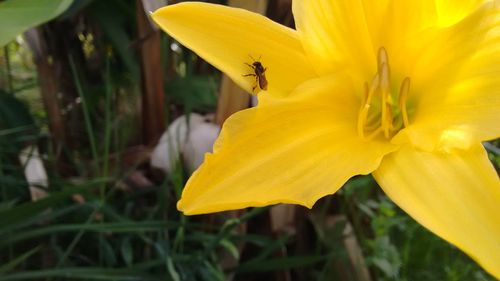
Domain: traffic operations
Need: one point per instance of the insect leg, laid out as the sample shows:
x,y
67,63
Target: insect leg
x,y
249,65
246,75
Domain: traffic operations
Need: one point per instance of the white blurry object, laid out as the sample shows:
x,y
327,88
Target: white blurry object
x,y
34,171
200,141
167,151
191,136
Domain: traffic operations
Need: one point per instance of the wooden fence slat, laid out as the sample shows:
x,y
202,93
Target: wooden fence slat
x,y
153,111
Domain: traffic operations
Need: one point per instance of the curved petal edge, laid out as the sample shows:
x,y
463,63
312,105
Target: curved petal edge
x,y
455,195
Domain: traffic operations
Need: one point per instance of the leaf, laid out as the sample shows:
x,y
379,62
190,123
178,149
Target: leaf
x,y
20,213
13,112
171,269
112,18
108,251
230,247
85,273
17,16
16,122
127,251
281,263
13,263
196,93
90,227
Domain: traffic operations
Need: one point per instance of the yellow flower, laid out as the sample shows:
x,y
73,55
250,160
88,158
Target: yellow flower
x,y
403,89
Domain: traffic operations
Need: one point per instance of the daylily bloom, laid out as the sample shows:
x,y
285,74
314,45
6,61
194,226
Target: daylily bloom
x,y
403,89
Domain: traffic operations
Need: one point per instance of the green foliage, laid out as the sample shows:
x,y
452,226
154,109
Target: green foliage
x,y
400,248
196,93
114,23
16,124
17,16
16,129
13,112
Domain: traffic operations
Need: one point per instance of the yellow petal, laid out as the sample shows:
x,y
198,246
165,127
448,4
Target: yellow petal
x,y
403,21
335,35
230,37
469,114
456,196
434,58
459,105
348,34
452,11
285,151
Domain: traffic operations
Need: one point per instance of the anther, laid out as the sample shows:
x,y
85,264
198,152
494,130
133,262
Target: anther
x,y
382,58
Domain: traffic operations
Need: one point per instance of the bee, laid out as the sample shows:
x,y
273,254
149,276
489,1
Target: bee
x,y
259,74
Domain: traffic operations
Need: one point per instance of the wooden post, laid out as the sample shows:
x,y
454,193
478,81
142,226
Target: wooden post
x,y
49,86
153,112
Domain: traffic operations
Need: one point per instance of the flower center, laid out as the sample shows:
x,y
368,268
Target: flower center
x,y
382,111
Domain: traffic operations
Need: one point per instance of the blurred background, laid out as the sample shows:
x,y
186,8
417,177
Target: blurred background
x,y
102,119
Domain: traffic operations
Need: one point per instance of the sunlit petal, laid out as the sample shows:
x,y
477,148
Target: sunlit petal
x,y
230,37
464,94
469,114
454,195
428,40
335,35
452,11
434,58
285,152
348,34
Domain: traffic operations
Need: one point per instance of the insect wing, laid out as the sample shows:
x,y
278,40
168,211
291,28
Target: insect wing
x,y
262,81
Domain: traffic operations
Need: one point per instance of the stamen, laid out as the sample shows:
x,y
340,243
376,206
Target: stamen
x,y
382,58
365,106
367,89
385,93
403,95
362,114
374,134
372,119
